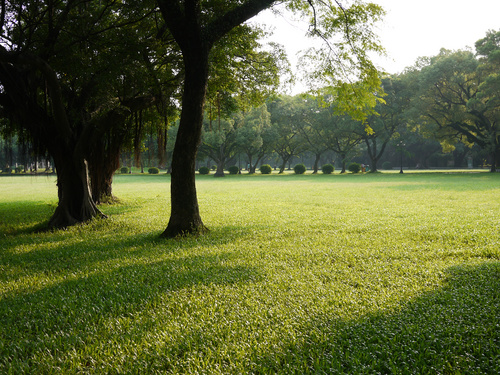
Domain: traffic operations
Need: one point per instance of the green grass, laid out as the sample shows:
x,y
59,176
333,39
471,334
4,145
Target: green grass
x,y
351,274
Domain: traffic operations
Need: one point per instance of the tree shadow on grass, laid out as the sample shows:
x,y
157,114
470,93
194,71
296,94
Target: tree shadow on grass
x,y
73,253
454,330
73,311
26,217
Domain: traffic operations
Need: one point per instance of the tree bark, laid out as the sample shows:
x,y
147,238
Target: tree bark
x,y
185,214
220,170
316,163
101,173
184,20
75,200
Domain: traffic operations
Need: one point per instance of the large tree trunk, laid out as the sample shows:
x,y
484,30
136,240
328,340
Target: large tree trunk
x,y
220,169
184,20
101,178
75,200
185,215
104,155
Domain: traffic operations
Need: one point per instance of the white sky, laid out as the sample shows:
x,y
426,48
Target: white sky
x,y
410,29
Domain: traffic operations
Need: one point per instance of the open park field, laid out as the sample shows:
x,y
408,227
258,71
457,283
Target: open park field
x,y
321,274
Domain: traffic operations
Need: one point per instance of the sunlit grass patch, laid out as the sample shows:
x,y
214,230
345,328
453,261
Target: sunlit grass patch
x,y
349,274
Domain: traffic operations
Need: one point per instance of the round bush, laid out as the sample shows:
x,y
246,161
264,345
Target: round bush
x,y
153,170
265,169
386,165
233,169
7,170
204,170
327,169
19,169
354,167
300,169
124,170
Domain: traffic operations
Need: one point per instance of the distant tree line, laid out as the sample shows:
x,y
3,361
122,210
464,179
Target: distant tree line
x,y
442,112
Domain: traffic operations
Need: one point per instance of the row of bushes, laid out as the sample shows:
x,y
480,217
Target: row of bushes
x,y
298,169
264,169
152,170
20,169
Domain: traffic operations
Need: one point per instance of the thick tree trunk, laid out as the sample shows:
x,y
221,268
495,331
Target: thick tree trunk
x,y
220,170
101,181
102,165
185,215
373,166
75,200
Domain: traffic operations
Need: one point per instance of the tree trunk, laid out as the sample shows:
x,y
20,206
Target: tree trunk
x,y
316,162
185,215
220,170
101,178
283,166
75,200
494,157
343,156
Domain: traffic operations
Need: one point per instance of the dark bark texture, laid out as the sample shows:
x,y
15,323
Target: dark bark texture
x,y
195,34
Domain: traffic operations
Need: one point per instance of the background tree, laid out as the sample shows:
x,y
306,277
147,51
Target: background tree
x,y
288,115
254,136
219,144
343,137
457,100
389,120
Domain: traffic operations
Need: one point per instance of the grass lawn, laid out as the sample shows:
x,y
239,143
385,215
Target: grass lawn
x,y
321,274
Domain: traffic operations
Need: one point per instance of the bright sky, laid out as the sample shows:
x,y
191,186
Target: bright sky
x,y
410,29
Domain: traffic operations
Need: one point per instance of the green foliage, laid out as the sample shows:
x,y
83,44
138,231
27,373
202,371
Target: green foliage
x,y
124,170
204,170
327,169
354,167
266,291
387,165
300,169
153,170
332,66
459,96
233,169
7,170
20,169
265,169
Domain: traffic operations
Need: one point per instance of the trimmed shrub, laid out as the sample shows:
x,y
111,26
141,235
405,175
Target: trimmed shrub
x,y
233,169
386,165
7,170
327,169
204,170
124,170
20,169
354,167
300,169
153,170
265,169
